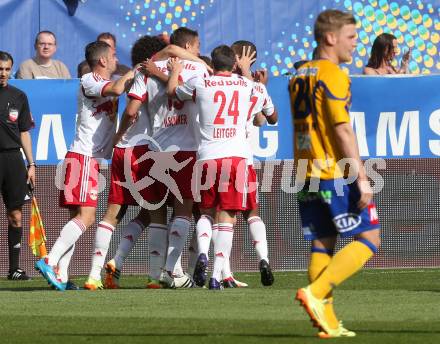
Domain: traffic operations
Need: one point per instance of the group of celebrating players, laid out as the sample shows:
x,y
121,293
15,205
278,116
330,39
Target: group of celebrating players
x,y
183,142
183,137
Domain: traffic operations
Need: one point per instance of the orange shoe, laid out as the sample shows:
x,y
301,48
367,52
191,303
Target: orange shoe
x,y
314,307
111,280
92,284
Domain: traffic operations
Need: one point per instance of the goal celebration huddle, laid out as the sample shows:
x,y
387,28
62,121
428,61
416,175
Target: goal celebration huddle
x,y
184,142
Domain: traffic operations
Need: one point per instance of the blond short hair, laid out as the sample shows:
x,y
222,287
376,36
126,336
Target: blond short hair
x,y
331,21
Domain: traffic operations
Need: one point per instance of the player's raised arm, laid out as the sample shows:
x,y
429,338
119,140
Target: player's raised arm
x,y
245,61
175,67
149,68
116,88
128,117
176,51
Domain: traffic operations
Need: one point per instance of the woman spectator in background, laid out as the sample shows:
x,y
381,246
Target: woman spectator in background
x,y
383,52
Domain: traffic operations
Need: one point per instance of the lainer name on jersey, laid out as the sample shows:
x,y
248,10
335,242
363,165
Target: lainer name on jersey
x,y
174,120
224,133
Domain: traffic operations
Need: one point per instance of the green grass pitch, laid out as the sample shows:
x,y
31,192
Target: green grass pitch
x,y
382,306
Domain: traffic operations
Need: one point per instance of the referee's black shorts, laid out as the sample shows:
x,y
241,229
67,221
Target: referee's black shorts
x,y
13,177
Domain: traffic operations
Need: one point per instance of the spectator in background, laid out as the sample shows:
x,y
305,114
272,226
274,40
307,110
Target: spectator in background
x,y
15,123
42,66
110,39
383,52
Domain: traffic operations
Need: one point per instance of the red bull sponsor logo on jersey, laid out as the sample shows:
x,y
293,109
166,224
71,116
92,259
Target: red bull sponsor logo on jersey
x,y
110,107
230,82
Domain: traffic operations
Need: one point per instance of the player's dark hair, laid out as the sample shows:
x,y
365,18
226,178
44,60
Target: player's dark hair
x,y
5,56
94,51
83,68
237,47
207,60
37,37
223,58
382,50
106,35
183,35
144,48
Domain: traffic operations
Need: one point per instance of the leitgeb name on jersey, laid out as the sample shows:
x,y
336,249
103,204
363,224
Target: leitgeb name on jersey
x,y
224,133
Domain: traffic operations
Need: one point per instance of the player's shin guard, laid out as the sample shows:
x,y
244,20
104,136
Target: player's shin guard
x,y
319,260
103,236
214,233
192,250
344,264
204,234
68,237
158,243
222,248
63,265
130,234
257,230
226,273
177,235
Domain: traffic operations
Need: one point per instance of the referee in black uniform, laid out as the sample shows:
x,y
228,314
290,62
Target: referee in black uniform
x,y
15,123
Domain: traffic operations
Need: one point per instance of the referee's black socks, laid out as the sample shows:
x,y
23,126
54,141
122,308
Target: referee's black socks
x,y
14,245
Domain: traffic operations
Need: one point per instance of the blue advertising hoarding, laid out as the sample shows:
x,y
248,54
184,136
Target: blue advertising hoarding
x,y
394,117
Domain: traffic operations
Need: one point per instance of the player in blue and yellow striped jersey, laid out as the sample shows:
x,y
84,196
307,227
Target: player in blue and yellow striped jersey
x,y
336,199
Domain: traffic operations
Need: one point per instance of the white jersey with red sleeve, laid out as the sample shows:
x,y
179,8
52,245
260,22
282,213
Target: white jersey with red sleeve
x,y
176,122
96,121
223,105
143,126
260,102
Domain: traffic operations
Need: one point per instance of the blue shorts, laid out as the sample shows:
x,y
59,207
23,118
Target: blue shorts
x,y
325,213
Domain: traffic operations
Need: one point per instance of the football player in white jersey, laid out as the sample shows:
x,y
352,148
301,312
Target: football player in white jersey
x,y
176,136
173,127
261,110
95,127
130,147
261,107
220,174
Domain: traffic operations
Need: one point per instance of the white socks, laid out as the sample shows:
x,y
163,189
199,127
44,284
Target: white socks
x,y
257,229
222,248
130,234
193,253
158,243
178,233
214,233
68,237
204,234
63,265
103,236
